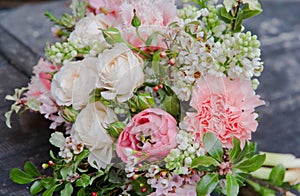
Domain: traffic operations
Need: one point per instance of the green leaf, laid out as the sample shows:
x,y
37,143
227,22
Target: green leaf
x,y
65,171
207,184
81,192
48,182
112,35
235,151
114,129
277,175
84,181
99,174
20,177
145,100
250,165
51,17
36,187
232,186
50,191
57,139
260,189
7,118
31,169
84,154
253,4
67,191
205,161
33,104
152,40
213,145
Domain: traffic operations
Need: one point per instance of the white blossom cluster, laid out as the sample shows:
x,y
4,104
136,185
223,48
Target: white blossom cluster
x,y
204,47
70,149
180,158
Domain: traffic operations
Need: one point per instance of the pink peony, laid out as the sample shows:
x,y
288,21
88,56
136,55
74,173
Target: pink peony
x,y
150,133
224,107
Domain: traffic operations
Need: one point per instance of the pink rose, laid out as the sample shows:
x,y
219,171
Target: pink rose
x,y
224,107
151,133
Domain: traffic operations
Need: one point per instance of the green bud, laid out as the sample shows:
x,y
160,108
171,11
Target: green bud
x,y
69,114
114,129
112,35
135,22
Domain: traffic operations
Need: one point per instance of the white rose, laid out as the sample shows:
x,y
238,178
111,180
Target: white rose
x,y
87,31
120,72
73,83
89,128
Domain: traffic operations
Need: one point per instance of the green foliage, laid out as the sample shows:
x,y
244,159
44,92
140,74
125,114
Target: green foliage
x,y
114,129
170,101
207,184
251,164
277,175
213,145
67,191
140,102
57,139
204,161
36,187
17,106
31,169
139,184
112,35
232,185
20,177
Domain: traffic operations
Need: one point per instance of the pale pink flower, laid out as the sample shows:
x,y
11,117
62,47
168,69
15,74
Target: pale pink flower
x,y
150,133
111,8
39,90
155,16
224,107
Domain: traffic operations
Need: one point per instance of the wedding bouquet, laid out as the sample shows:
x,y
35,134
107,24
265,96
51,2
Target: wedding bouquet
x,y
149,99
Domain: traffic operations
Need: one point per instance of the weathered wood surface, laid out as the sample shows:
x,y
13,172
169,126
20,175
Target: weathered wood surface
x,y
24,31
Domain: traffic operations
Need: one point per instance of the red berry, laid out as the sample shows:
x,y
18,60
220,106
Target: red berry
x,y
155,88
50,163
93,194
172,61
144,190
160,86
162,54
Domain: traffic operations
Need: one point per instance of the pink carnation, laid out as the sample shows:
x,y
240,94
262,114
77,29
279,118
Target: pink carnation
x,y
151,133
224,107
39,90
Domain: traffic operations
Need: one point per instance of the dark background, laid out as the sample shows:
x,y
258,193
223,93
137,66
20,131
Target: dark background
x,y
24,31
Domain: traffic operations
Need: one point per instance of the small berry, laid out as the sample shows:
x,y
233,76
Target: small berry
x,y
51,164
93,194
172,61
144,190
160,86
155,88
45,165
162,54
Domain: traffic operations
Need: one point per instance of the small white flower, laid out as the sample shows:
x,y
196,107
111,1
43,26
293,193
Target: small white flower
x,y
188,161
128,151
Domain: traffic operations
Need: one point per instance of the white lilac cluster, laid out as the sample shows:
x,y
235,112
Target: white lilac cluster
x,y
239,55
70,149
203,48
180,158
59,52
